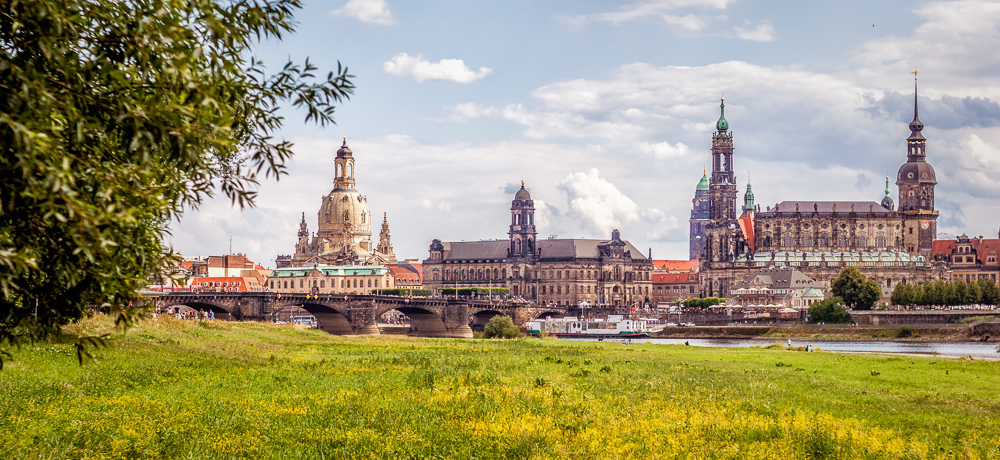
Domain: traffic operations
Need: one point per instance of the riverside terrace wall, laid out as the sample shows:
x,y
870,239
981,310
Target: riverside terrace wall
x,y
874,318
916,317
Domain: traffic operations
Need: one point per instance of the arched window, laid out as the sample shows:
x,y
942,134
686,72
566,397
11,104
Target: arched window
x,y
824,241
369,283
788,241
347,216
842,241
350,170
340,170
862,241
807,240
880,241
362,218
495,273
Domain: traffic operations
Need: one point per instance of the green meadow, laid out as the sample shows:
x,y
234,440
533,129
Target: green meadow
x,y
175,389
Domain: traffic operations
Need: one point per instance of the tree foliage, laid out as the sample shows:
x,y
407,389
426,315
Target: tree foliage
x,y
114,118
856,290
703,303
947,293
501,327
829,311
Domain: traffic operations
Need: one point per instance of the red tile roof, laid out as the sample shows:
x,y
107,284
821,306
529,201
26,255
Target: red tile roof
x,y
676,265
983,248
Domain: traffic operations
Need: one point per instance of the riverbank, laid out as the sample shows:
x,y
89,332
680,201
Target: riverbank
x,y
896,333
170,389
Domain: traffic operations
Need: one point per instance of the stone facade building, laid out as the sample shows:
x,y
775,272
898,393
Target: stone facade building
x,y
783,286
970,258
326,279
557,271
343,235
820,237
674,287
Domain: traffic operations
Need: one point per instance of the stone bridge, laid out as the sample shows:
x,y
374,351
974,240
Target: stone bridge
x,y
358,314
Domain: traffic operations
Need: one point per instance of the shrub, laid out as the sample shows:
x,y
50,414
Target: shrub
x,y
905,332
501,326
829,311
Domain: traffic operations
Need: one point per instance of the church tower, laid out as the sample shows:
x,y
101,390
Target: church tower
x,y
522,225
384,245
723,184
699,218
303,244
722,235
344,180
916,181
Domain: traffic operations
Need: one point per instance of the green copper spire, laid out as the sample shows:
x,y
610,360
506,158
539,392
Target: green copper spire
x,y
703,183
886,185
722,124
748,200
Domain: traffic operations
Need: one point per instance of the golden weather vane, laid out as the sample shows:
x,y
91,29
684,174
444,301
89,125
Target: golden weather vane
x,y
914,74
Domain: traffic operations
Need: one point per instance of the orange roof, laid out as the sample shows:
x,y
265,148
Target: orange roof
x,y
668,278
983,247
943,247
676,265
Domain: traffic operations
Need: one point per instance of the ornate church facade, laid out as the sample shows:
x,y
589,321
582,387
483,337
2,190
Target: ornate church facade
x,y
343,235
554,271
892,245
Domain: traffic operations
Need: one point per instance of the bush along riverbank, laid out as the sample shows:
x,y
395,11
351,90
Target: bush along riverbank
x,y
171,388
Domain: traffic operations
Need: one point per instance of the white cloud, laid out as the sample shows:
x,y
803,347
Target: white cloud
x,y
761,33
947,49
597,203
461,113
658,9
419,69
665,150
371,11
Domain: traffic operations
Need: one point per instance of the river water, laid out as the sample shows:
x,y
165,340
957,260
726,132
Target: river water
x,y
975,349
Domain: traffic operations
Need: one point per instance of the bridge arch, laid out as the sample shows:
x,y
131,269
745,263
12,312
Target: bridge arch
x,y
424,322
332,319
479,319
221,311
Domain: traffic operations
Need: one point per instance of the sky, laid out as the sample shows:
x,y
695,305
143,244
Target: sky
x,y
606,110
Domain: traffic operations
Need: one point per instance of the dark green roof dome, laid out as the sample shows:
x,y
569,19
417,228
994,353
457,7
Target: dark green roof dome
x,y
722,124
703,183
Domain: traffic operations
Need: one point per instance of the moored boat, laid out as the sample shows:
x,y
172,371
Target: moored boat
x,y
616,326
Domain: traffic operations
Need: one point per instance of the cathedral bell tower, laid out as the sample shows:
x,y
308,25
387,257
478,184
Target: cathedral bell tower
x,y
522,225
916,181
722,188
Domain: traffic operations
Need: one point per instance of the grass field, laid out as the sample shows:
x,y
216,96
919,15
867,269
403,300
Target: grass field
x,y
245,390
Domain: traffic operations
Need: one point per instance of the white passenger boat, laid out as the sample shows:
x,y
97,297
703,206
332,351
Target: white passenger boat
x,y
616,326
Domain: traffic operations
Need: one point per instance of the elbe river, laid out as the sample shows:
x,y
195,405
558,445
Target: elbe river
x,y
974,349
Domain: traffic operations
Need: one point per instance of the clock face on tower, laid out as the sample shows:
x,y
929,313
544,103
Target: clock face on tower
x,y
697,202
925,224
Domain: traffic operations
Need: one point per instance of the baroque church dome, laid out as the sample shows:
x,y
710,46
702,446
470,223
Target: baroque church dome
x,y
341,207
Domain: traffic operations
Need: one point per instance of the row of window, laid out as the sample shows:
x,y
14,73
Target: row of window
x,y
825,240
286,284
559,289
676,289
500,274
407,281
220,283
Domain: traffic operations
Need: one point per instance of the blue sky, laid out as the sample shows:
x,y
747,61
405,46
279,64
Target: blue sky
x,y
605,110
